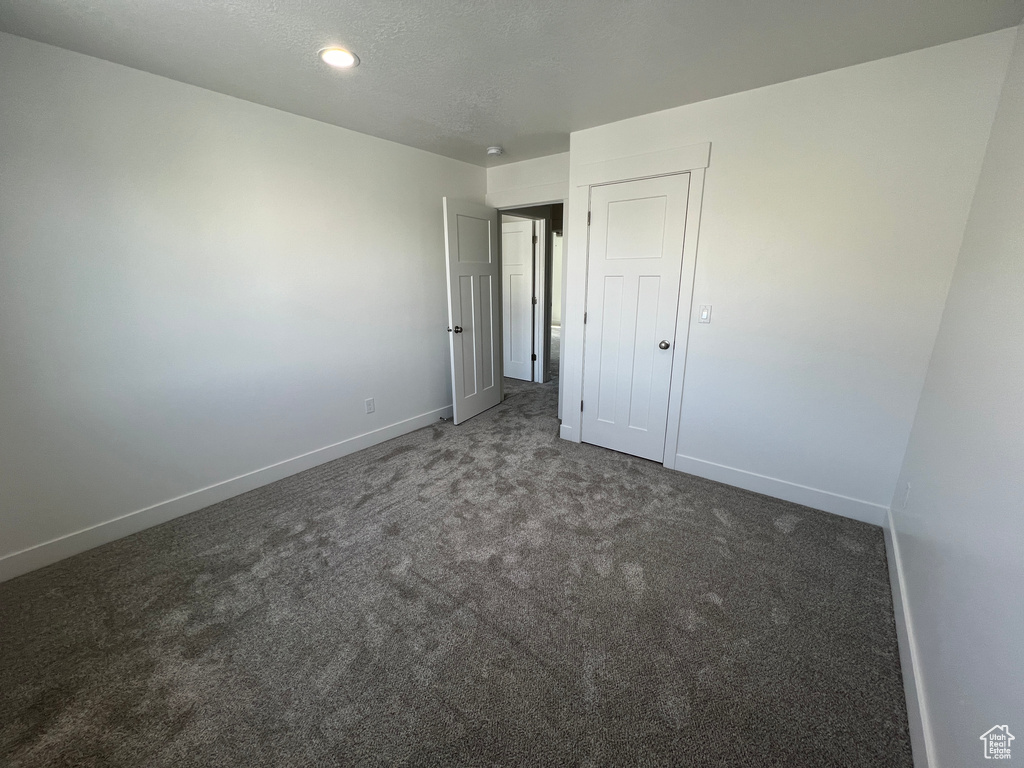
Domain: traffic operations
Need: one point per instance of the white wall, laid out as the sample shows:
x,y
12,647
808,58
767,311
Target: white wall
x,y
960,538
529,182
194,287
833,210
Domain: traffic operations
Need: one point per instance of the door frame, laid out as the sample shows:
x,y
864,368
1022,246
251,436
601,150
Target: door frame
x,y
694,160
541,301
536,263
541,282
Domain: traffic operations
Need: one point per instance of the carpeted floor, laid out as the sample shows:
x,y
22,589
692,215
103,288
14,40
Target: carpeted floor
x,y
481,595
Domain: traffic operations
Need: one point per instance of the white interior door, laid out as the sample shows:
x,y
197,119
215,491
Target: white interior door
x,y
474,306
517,297
635,259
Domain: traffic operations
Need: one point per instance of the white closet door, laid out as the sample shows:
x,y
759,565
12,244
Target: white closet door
x,y
635,258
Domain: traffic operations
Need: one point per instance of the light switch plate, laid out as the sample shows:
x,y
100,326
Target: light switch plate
x,y
704,316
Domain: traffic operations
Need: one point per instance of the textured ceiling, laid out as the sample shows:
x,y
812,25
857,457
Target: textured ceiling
x,y
454,76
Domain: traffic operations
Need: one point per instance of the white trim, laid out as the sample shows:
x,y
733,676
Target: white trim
x,y
539,194
694,201
846,506
561,332
540,337
574,291
921,742
17,563
661,163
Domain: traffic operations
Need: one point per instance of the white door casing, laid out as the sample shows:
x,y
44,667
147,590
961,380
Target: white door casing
x,y
540,308
633,284
517,257
474,306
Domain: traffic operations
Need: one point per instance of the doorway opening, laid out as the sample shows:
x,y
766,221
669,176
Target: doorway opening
x,y
532,291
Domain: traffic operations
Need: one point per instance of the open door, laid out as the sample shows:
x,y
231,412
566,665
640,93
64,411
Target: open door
x,y
474,306
518,242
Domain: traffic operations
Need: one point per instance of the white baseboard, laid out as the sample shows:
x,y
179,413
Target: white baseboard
x,y
865,511
70,544
917,714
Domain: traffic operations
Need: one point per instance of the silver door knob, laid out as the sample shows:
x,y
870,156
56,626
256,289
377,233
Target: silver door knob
x,y
458,329
664,345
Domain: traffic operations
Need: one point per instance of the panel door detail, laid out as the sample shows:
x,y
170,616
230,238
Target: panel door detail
x,y
517,298
635,259
474,307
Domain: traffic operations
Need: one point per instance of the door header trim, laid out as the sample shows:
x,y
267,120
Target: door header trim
x,y
661,163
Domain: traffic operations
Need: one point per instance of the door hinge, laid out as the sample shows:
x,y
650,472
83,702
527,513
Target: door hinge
x,y
584,318
533,357
581,406
588,218
534,239
534,299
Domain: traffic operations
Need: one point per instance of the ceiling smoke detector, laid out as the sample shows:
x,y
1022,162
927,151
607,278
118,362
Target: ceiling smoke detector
x,y
495,151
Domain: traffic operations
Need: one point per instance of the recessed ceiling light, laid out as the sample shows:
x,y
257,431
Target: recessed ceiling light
x,y
339,58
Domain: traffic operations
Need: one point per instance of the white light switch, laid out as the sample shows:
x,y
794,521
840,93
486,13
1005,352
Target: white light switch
x,y
705,314
369,405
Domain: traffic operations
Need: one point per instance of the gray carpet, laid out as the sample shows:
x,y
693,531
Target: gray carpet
x,y
485,595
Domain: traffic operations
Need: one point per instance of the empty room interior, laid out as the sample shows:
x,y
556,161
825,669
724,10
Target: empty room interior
x,y
532,384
